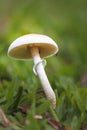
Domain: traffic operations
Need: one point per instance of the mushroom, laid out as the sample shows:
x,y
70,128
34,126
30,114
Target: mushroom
x,y
36,46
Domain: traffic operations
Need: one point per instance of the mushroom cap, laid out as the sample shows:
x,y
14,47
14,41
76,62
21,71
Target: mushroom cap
x,y
20,48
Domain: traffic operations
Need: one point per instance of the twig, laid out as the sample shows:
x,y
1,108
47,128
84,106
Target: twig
x,y
4,118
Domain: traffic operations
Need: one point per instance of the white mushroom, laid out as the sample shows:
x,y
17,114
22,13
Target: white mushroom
x,y
36,46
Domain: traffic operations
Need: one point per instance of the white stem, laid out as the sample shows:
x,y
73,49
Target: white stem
x,y
42,76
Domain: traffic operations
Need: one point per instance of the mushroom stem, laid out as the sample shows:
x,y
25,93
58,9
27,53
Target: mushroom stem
x,y
42,76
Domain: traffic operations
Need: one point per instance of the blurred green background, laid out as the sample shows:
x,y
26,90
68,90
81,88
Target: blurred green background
x,y
63,20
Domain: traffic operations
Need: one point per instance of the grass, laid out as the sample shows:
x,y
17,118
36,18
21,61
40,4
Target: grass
x,y
22,98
